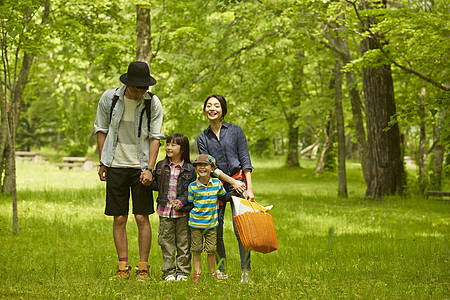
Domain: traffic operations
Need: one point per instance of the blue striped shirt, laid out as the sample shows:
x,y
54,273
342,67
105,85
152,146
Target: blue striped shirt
x,y
205,199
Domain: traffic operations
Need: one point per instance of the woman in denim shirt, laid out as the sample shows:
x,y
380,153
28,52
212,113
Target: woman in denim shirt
x,y
228,145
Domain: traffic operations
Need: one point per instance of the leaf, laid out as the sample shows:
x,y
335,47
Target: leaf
x,y
433,112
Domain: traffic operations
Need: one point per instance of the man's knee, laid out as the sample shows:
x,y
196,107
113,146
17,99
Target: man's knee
x,y
120,221
142,220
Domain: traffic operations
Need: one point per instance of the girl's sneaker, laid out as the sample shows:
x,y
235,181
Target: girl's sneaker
x,y
196,277
170,278
221,275
181,278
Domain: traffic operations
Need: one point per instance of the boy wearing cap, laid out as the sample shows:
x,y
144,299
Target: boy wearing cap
x,y
128,152
203,218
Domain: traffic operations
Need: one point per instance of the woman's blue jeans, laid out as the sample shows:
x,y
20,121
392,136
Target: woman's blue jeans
x,y
221,257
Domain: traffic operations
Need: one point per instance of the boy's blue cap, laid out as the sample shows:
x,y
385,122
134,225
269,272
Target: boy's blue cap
x,y
205,159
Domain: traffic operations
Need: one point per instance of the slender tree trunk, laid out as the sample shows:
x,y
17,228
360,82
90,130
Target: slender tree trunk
x,y
438,156
340,46
292,157
13,112
357,109
422,145
3,130
328,136
143,33
342,175
358,121
309,148
291,114
11,115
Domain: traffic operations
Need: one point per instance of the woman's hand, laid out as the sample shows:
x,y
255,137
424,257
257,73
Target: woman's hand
x,y
239,186
249,195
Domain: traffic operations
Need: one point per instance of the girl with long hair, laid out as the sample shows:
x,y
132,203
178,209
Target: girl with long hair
x,y
172,176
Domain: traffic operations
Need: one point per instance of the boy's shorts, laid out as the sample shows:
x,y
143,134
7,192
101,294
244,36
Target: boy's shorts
x,y
197,237
118,184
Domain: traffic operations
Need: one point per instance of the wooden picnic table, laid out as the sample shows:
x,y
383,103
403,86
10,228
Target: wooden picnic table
x,y
84,163
440,194
31,156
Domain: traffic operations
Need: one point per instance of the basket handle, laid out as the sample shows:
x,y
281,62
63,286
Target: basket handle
x,y
254,210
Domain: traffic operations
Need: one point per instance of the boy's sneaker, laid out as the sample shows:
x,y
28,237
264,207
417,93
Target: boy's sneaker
x,y
142,271
123,271
170,278
245,277
221,275
196,277
181,278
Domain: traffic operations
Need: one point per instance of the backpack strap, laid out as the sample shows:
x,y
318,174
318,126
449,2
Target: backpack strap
x,y
148,110
113,104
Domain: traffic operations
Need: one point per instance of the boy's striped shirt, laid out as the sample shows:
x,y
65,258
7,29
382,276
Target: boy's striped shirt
x,y
205,199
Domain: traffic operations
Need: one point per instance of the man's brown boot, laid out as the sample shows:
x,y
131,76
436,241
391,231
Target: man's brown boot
x,y
142,271
123,271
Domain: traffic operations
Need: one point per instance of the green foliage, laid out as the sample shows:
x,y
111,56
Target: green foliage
x,y
266,57
89,41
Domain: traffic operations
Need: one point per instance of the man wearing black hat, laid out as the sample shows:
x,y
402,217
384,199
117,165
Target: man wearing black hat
x,y
128,144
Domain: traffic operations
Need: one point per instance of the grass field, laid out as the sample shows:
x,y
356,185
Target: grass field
x,y
328,247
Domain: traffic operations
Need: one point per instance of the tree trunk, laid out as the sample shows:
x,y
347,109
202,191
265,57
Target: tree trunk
x,y
143,32
358,118
342,175
309,148
292,115
292,157
386,170
438,156
13,112
384,153
3,130
422,145
340,46
328,135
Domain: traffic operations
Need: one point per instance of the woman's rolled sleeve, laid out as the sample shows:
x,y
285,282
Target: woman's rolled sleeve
x,y
243,154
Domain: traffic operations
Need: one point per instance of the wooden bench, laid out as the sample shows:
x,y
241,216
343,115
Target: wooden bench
x,y
30,156
76,162
439,194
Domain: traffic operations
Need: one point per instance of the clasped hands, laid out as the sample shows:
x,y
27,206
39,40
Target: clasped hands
x,y
146,177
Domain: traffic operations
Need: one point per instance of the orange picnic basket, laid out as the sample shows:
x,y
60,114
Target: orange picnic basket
x,y
257,231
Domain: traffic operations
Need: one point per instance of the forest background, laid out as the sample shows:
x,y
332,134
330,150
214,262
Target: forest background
x,y
314,84
327,80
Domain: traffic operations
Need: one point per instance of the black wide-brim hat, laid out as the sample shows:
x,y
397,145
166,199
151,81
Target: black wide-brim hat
x,y
138,75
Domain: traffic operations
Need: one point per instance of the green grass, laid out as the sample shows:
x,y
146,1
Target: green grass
x,y
328,247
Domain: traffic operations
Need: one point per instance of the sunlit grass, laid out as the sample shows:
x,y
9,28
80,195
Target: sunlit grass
x,y
329,247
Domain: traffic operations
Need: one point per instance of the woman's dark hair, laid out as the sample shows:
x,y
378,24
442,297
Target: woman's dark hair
x,y
183,141
222,101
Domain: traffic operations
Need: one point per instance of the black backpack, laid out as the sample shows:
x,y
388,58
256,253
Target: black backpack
x,y
147,109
